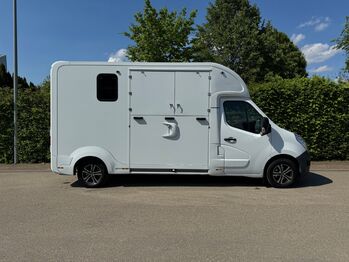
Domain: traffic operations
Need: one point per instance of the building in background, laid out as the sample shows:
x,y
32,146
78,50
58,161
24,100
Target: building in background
x,y
3,60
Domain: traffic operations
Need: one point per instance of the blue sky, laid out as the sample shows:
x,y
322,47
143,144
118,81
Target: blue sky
x,y
91,30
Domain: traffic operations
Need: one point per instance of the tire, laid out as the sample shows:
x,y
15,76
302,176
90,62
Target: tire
x,y
282,173
92,173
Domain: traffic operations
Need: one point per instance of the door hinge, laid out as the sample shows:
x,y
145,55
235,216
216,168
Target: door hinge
x,y
130,76
209,77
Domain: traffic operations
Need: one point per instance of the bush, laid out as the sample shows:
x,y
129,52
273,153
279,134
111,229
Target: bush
x,y
6,125
33,141
315,108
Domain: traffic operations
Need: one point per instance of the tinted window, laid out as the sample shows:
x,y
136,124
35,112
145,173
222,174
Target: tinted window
x,y
107,87
242,115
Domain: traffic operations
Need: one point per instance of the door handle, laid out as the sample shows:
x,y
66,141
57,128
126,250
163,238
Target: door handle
x,y
172,130
180,107
230,139
138,118
201,118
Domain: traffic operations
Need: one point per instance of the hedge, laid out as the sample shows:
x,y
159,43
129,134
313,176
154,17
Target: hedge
x,y
315,108
33,125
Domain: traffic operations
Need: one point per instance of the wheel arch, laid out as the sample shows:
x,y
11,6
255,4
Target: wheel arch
x,y
293,159
86,159
96,153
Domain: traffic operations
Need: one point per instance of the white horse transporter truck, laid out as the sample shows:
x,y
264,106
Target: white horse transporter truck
x,y
164,118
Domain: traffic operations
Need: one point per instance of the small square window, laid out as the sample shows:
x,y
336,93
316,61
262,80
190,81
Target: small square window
x,y
107,87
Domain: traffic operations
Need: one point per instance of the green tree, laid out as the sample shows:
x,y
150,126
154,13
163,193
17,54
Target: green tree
x,y
6,80
343,43
5,77
235,36
161,36
230,37
280,56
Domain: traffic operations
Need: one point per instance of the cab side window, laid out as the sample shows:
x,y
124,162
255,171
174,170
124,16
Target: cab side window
x,y
242,115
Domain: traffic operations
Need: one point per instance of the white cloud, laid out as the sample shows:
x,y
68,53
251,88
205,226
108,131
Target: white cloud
x,y
297,38
118,56
321,69
318,23
321,27
319,52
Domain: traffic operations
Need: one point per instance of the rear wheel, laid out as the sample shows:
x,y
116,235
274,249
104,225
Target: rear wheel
x,y
282,173
92,173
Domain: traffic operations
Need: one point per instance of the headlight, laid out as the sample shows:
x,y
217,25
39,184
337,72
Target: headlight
x,y
301,141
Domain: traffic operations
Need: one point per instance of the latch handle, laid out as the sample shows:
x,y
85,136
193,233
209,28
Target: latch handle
x,y
172,130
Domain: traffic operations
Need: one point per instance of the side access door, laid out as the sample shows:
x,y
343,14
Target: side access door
x,y
169,123
244,147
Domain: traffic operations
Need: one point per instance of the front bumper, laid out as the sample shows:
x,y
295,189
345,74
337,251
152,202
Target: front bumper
x,y
304,163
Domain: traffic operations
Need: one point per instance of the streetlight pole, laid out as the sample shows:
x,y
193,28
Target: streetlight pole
x,y
15,82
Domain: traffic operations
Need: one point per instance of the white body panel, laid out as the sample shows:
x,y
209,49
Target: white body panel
x,y
152,148
168,118
152,92
189,86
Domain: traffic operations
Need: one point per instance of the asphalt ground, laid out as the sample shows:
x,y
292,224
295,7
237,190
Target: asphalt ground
x,y
48,217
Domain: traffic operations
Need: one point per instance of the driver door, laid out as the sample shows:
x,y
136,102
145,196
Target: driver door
x,y
244,147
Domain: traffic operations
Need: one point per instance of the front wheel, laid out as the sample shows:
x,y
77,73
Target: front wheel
x,y
282,173
92,174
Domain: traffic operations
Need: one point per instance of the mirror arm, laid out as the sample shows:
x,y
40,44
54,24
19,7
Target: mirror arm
x,y
266,127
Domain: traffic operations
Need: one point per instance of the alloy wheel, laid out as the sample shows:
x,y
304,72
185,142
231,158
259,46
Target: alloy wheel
x,y
91,174
283,174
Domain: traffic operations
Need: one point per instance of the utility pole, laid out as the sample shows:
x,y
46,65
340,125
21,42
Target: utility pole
x,y
15,82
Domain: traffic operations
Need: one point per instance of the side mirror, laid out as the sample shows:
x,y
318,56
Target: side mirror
x,y
266,127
